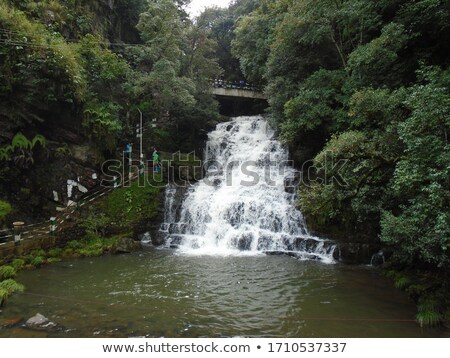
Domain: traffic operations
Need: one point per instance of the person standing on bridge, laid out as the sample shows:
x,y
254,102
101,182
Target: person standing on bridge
x,y
155,161
128,150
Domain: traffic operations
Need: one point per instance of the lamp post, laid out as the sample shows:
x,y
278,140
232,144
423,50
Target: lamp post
x,y
141,133
141,137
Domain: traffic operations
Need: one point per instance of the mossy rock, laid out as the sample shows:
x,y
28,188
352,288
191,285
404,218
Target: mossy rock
x,y
126,246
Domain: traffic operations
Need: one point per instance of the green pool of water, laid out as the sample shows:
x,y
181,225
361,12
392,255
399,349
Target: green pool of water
x,y
163,294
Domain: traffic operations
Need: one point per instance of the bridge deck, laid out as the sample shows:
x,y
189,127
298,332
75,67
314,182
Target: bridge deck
x,y
231,92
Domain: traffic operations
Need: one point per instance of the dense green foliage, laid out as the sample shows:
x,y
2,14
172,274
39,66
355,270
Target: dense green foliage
x,y
366,82
77,72
220,24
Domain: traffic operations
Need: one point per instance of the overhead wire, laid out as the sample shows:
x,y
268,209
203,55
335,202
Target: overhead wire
x,y
67,40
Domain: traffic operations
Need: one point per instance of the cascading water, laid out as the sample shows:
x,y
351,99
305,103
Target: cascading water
x,y
244,205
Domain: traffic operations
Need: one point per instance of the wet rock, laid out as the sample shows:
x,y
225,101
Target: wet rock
x,y
329,247
41,323
264,242
235,214
245,242
355,253
174,241
288,244
159,237
305,244
145,239
291,183
177,228
126,246
378,259
189,174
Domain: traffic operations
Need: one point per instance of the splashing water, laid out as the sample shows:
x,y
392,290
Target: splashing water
x,y
245,203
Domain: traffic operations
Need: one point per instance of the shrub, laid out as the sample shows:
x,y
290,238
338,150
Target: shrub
x,y
7,288
74,245
402,282
18,264
38,261
428,314
54,253
5,209
36,253
7,272
96,224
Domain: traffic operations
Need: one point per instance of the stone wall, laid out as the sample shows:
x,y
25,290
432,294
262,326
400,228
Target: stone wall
x,y
9,250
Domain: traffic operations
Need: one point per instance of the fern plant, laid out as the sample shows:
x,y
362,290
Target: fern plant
x,y
5,154
20,142
21,149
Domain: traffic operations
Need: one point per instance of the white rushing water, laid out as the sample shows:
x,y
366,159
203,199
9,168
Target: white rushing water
x,y
243,206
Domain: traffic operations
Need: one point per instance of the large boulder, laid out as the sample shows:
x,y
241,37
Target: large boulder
x,y
41,323
126,246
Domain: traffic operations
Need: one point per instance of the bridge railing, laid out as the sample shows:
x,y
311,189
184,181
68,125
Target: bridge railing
x,y
238,85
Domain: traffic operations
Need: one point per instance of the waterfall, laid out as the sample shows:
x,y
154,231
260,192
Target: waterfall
x,y
245,203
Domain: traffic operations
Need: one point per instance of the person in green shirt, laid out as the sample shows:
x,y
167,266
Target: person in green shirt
x,y
155,161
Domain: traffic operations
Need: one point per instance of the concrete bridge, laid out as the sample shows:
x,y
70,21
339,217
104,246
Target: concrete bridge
x,y
242,93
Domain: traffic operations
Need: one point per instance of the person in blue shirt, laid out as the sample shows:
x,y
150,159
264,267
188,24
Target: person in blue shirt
x,y
128,150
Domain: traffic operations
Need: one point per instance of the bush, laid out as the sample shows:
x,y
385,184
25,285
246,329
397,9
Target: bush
x,y
7,288
74,245
36,253
96,224
38,261
5,209
18,264
54,253
7,272
428,314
